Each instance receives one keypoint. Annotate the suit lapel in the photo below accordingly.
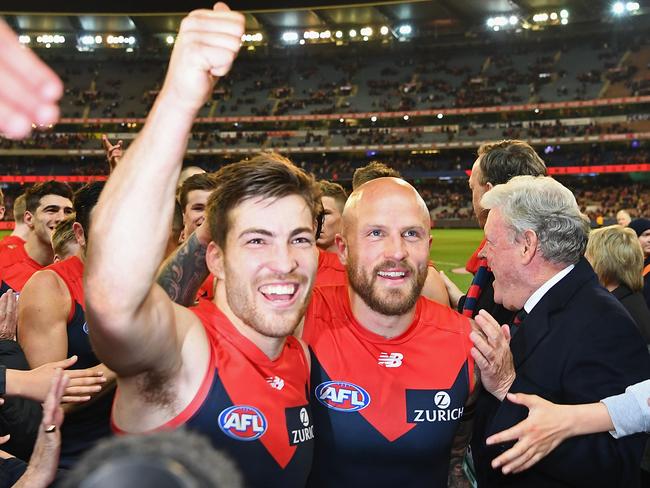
(537, 324)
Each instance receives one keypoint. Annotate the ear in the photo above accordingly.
(28, 218)
(2, 212)
(341, 248)
(79, 234)
(489, 186)
(215, 260)
(529, 248)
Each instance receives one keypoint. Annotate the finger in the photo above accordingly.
(13, 124)
(66, 363)
(41, 80)
(511, 434)
(214, 22)
(530, 463)
(4, 438)
(524, 399)
(82, 390)
(213, 42)
(106, 143)
(488, 325)
(482, 345)
(75, 399)
(220, 6)
(518, 461)
(86, 380)
(480, 360)
(51, 399)
(2, 401)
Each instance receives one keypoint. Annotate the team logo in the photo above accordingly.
(299, 425)
(242, 422)
(275, 382)
(392, 360)
(442, 399)
(84, 327)
(304, 417)
(342, 396)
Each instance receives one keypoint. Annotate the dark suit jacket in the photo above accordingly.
(634, 302)
(577, 345)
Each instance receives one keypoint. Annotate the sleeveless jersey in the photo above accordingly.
(207, 288)
(386, 410)
(89, 422)
(254, 409)
(16, 267)
(330, 270)
(11, 241)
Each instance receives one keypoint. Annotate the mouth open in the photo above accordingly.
(280, 293)
(394, 275)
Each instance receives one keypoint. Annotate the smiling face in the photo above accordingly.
(386, 245)
(194, 211)
(269, 263)
(51, 210)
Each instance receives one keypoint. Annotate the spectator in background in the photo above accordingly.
(642, 229)
(333, 199)
(616, 256)
(371, 171)
(623, 218)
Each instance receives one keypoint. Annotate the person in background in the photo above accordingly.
(642, 229)
(616, 256)
(333, 199)
(623, 218)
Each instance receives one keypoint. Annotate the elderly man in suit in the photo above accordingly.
(572, 342)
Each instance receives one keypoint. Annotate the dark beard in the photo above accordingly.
(364, 287)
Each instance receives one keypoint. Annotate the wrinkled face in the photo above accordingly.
(502, 253)
(332, 223)
(51, 210)
(194, 211)
(644, 239)
(270, 263)
(623, 218)
(388, 253)
(478, 191)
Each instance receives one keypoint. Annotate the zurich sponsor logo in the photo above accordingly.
(442, 399)
(84, 327)
(242, 422)
(342, 396)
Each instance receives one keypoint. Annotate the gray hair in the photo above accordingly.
(546, 207)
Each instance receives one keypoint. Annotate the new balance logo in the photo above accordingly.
(392, 360)
(275, 382)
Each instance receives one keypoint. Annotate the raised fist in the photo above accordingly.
(206, 46)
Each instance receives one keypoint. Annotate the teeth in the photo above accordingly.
(392, 274)
(278, 289)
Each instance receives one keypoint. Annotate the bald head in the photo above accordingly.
(382, 197)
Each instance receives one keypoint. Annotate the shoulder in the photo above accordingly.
(443, 317)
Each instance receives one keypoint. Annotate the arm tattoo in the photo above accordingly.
(182, 273)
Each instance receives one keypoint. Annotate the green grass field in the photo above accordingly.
(451, 248)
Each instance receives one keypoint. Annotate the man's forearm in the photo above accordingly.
(183, 272)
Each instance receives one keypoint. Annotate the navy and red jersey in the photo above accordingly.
(330, 270)
(90, 422)
(11, 241)
(253, 408)
(386, 410)
(16, 267)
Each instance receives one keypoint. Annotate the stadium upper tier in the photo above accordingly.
(396, 77)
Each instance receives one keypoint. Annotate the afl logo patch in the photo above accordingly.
(342, 396)
(84, 327)
(242, 422)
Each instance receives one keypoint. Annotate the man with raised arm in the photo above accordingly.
(233, 373)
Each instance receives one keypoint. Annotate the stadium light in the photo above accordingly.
(542, 17)
(440, 116)
(564, 13)
(632, 6)
(405, 30)
(373, 119)
(325, 34)
(366, 31)
(564, 21)
(513, 20)
(301, 42)
(353, 33)
(338, 34)
(24, 39)
(406, 117)
(384, 30)
(553, 16)
(169, 39)
(290, 36)
(618, 8)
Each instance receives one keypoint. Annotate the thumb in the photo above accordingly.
(66, 363)
(522, 399)
(221, 7)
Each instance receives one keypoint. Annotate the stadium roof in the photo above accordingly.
(164, 16)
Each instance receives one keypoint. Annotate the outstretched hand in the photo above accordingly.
(113, 152)
(544, 429)
(29, 89)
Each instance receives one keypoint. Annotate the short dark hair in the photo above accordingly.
(34, 194)
(176, 458)
(372, 171)
(333, 190)
(85, 199)
(200, 181)
(501, 161)
(19, 208)
(177, 221)
(267, 175)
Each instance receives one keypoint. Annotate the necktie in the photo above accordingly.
(516, 322)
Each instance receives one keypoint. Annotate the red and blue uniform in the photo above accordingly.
(253, 408)
(16, 267)
(386, 410)
(330, 270)
(90, 422)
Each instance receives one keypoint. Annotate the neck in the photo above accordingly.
(332, 248)
(270, 346)
(387, 326)
(43, 255)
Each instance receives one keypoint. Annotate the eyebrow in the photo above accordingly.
(268, 233)
(57, 207)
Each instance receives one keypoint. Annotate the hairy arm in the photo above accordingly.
(132, 321)
(434, 287)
